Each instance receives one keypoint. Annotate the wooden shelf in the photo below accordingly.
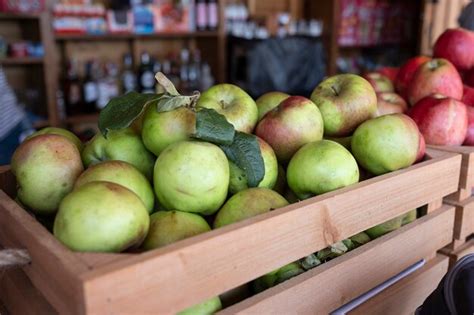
(108, 37)
(21, 61)
(85, 118)
(19, 16)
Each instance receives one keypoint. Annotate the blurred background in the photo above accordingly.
(65, 59)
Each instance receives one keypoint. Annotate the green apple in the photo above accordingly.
(269, 101)
(122, 145)
(162, 129)
(207, 307)
(238, 180)
(59, 131)
(386, 143)
(345, 101)
(232, 102)
(320, 167)
(248, 203)
(121, 173)
(167, 227)
(192, 176)
(295, 122)
(277, 276)
(101, 217)
(409, 217)
(46, 167)
(384, 228)
(360, 239)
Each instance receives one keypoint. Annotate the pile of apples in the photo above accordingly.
(436, 92)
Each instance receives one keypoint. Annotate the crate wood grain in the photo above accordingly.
(456, 254)
(464, 222)
(336, 282)
(466, 178)
(180, 275)
(404, 297)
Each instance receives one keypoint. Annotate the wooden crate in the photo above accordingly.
(357, 271)
(169, 279)
(462, 199)
(458, 253)
(406, 296)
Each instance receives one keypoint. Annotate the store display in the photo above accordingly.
(22, 6)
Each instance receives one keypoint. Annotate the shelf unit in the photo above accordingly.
(21, 61)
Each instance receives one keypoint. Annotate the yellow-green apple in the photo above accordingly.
(238, 180)
(277, 276)
(435, 76)
(386, 143)
(62, 132)
(389, 72)
(468, 96)
(248, 203)
(345, 101)
(409, 217)
(470, 126)
(101, 217)
(192, 176)
(46, 167)
(162, 129)
(167, 227)
(379, 82)
(390, 103)
(295, 122)
(232, 102)
(207, 307)
(457, 46)
(122, 145)
(386, 227)
(320, 167)
(121, 173)
(405, 75)
(442, 120)
(269, 101)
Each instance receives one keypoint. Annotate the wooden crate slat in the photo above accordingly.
(20, 296)
(405, 296)
(464, 222)
(461, 251)
(354, 273)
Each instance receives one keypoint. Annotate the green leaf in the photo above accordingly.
(121, 111)
(213, 127)
(169, 102)
(245, 152)
(166, 84)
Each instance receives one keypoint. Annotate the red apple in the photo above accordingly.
(435, 76)
(469, 77)
(441, 120)
(390, 103)
(379, 82)
(470, 127)
(421, 149)
(293, 123)
(468, 96)
(406, 72)
(457, 46)
(389, 72)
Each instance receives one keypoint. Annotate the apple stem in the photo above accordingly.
(334, 90)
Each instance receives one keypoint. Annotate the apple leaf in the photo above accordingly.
(168, 102)
(244, 151)
(166, 84)
(121, 111)
(213, 127)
